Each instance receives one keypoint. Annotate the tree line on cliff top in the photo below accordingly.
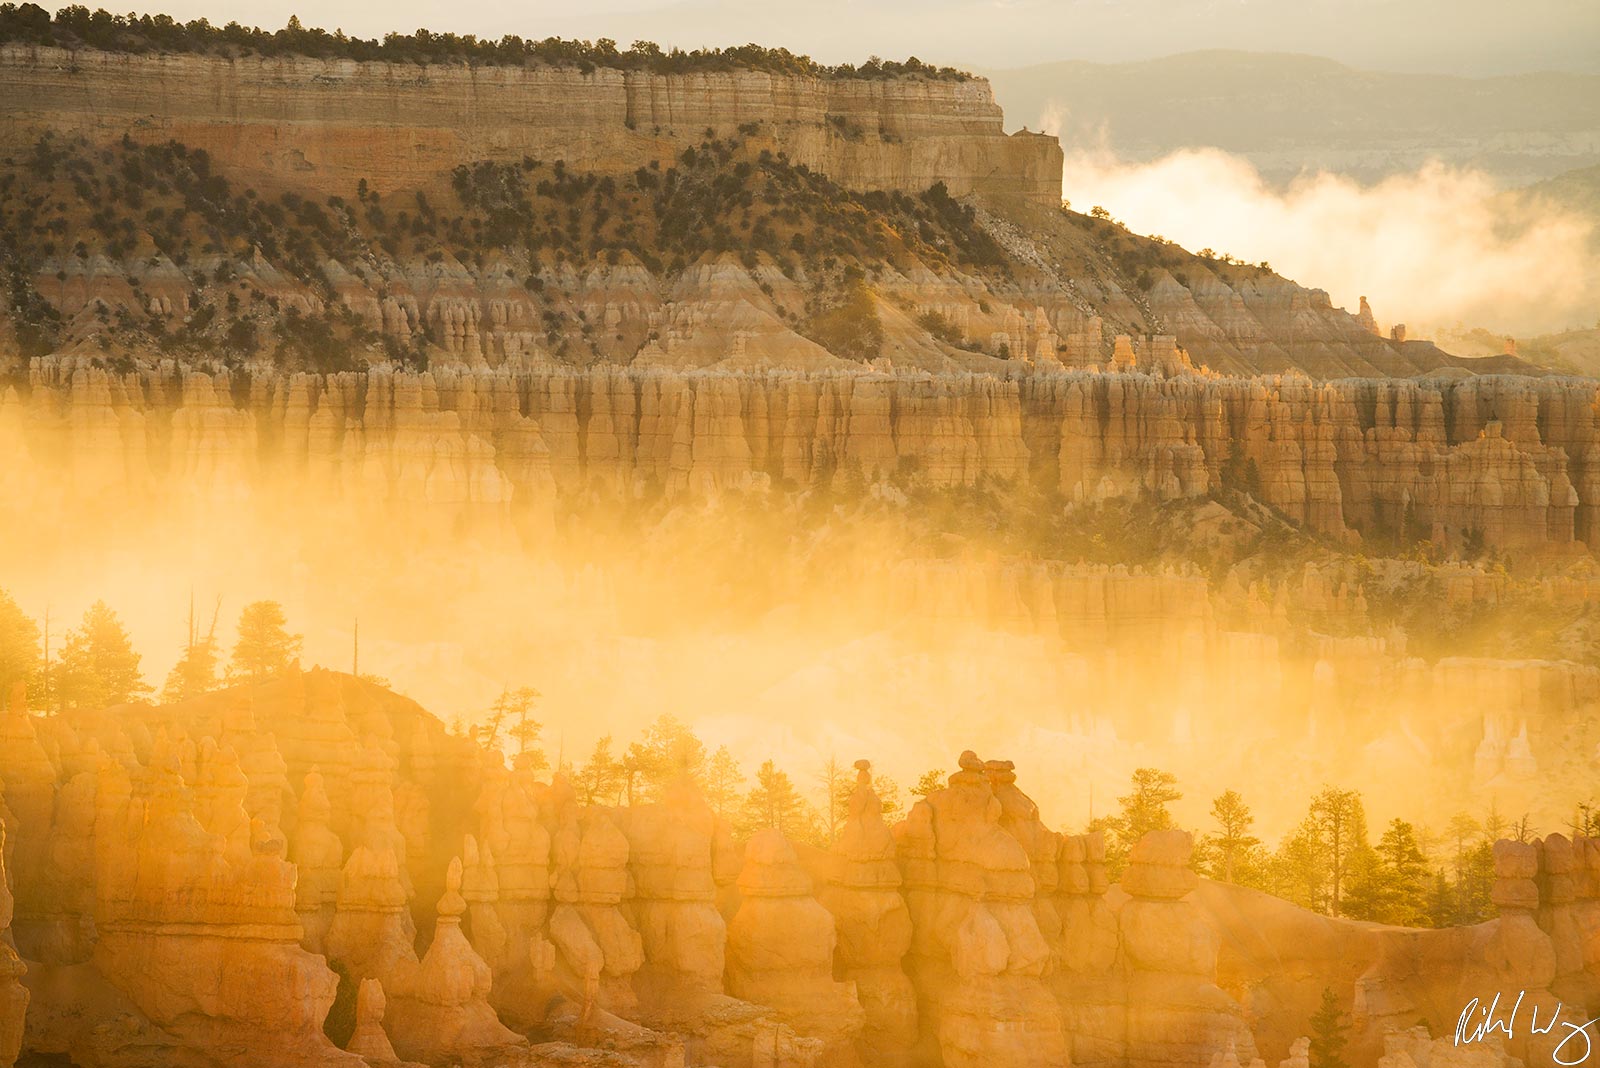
(1328, 862)
(78, 27)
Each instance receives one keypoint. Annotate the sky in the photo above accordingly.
(1438, 36)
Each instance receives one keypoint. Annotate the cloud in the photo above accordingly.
(1430, 248)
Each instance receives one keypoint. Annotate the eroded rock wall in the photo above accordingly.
(330, 123)
(1512, 461)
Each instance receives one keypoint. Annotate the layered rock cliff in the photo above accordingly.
(1502, 461)
(331, 215)
(298, 122)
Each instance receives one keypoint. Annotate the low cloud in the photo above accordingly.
(1432, 248)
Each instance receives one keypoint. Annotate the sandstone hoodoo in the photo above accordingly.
(1146, 973)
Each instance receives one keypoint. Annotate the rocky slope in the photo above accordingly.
(730, 254)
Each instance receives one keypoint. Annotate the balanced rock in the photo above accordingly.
(978, 956)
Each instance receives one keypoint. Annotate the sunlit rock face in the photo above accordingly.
(861, 888)
(495, 919)
(284, 119)
(978, 957)
(1177, 1014)
(1509, 467)
(781, 945)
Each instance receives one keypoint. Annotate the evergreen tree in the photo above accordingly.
(837, 783)
(773, 802)
(1337, 828)
(1298, 871)
(19, 646)
(930, 782)
(724, 783)
(1144, 808)
(599, 780)
(1443, 901)
(265, 647)
(524, 729)
(1233, 843)
(1475, 888)
(194, 674)
(196, 670)
(668, 751)
(1405, 875)
(1367, 892)
(1585, 820)
(1463, 832)
(98, 664)
(1328, 1038)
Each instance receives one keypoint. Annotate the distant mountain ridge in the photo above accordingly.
(1287, 113)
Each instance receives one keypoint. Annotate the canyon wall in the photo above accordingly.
(326, 124)
(1510, 461)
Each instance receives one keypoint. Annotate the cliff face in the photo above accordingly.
(1512, 461)
(325, 124)
(304, 230)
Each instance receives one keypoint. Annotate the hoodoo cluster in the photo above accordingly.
(314, 871)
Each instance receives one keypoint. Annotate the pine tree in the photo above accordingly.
(265, 647)
(724, 783)
(1405, 874)
(1233, 841)
(19, 646)
(668, 751)
(194, 674)
(837, 784)
(1464, 831)
(525, 730)
(1367, 892)
(1475, 889)
(773, 802)
(1298, 871)
(930, 782)
(1328, 1038)
(1337, 827)
(599, 780)
(98, 664)
(196, 670)
(1144, 809)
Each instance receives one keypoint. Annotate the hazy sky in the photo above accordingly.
(1458, 36)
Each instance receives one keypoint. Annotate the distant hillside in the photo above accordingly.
(1286, 113)
(1578, 190)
